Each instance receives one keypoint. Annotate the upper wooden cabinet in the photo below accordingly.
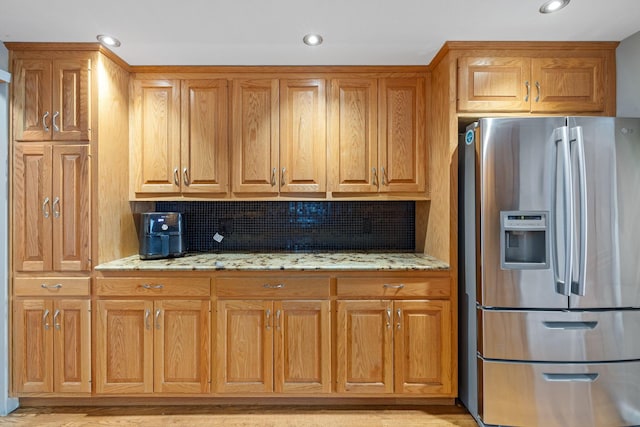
(532, 84)
(377, 135)
(52, 206)
(179, 137)
(51, 98)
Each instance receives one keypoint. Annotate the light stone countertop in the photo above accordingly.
(260, 261)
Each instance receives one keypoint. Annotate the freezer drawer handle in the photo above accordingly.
(570, 325)
(580, 378)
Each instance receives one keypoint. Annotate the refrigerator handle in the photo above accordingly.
(578, 288)
(563, 284)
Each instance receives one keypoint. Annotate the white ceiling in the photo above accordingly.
(269, 32)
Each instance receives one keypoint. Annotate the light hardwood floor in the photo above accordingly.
(241, 416)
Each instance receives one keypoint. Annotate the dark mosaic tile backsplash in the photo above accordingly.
(297, 226)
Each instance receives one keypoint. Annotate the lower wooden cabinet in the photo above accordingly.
(52, 345)
(281, 346)
(146, 346)
(386, 346)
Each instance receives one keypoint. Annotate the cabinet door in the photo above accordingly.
(33, 346)
(71, 208)
(32, 217)
(182, 346)
(303, 147)
(204, 144)
(302, 346)
(494, 84)
(32, 109)
(255, 136)
(155, 153)
(71, 88)
(402, 135)
(124, 347)
(422, 344)
(244, 346)
(353, 137)
(364, 347)
(72, 346)
(571, 85)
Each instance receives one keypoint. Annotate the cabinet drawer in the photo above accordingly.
(273, 287)
(434, 287)
(51, 286)
(154, 286)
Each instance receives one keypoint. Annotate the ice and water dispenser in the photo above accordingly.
(524, 240)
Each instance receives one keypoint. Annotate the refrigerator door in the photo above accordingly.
(520, 169)
(612, 210)
(560, 395)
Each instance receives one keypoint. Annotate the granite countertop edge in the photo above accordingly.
(331, 261)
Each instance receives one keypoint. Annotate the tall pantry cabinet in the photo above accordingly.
(65, 138)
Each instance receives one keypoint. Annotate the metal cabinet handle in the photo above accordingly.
(148, 286)
(385, 179)
(399, 316)
(268, 315)
(157, 317)
(50, 287)
(45, 322)
(55, 320)
(45, 207)
(55, 126)
(276, 286)
(278, 313)
(176, 177)
(44, 122)
(282, 181)
(273, 177)
(147, 313)
(374, 173)
(388, 286)
(526, 97)
(56, 207)
(388, 318)
(185, 176)
(538, 95)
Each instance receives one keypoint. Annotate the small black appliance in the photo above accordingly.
(161, 235)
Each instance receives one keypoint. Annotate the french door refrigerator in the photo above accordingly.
(550, 271)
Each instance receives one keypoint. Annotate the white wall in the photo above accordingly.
(628, 76)
(6, 405)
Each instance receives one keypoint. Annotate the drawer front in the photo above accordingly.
(51, 286)
(560, 395)
(154, 286)
(273, 287)
(549, 336)
(390, 287)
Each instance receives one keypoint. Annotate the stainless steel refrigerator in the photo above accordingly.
(550, 271)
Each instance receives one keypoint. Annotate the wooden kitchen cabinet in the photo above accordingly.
(532, 84)
(273, 335)
(377, 135)
(51, 345)
(180, 143)
(51, 98)
(52, 205)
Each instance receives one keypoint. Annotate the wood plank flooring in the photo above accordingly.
(241, 416)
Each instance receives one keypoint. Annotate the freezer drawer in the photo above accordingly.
(560, 395)
(548, 336)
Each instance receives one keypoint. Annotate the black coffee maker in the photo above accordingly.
(161, 235)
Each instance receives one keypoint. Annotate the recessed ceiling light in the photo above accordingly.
(108, 40)
(312, 39)
(553, 6)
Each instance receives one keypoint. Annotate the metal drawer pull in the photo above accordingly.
(570, 325)
(55, 320)
(282, 181)
(538, 96)
(148, 286)
(185, 177)
(157, 319)
(278, 313)
(176, 177)
(268, 323)
(44, 319)
(581, 378)
(55, 126)
(375, 176)
(44, 122)
(45, 207)
(273, 177)
(147, 313)
(385, 179)
(388, 286)
(388, 318)
(399, 315)
(56, 207)
(56, 286)
(276, 286)
(526, 97)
